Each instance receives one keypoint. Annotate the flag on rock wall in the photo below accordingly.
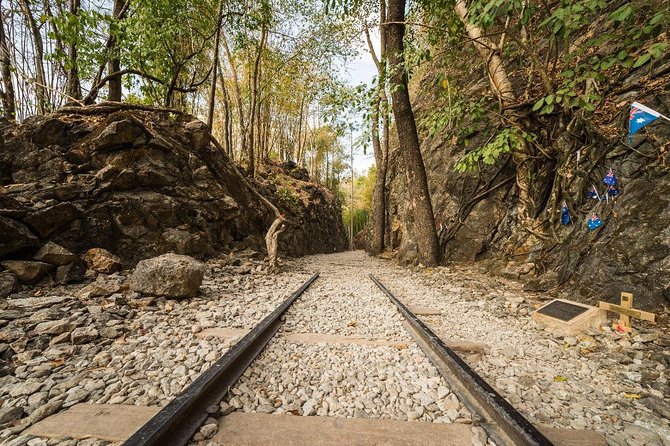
(565, 214)
(610, 178)
(612, 191)
(593, 193)
(641, 115)
(594, 222)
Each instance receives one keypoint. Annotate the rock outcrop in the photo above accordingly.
(138, 183)
(478, 211)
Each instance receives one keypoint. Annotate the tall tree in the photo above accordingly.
(73, 88)
(38, 45)
(114, 66)
(238, 95)
(8, 97)
(215, 67)
(380, 106)
(408, 138)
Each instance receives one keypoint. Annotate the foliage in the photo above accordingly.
(506, 141)
(288, 196)
(463, 114)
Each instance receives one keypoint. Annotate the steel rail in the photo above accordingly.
(177, 422)
(516, 429)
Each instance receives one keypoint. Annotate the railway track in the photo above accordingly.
(177, 422)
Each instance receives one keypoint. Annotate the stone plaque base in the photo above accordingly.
(566, 318)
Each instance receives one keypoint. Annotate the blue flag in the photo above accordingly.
(565, 214)
(610, 178)
(594, 222)
(640, 115)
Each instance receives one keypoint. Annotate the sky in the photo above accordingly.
(356, 71)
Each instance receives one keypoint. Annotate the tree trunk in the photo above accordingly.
(426, 235)
(500, 82)
(299, 140)
(238, 96)
(114, 66)
(8, 95)
(73, 88)
(215, 67)
(40, 79)
(380, 148)
(502, 87)
(272, 239)
(254, 103)
(227, 122)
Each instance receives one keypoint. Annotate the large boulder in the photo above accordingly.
(140, 183)
(169, 275)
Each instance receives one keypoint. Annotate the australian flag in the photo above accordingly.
(640, 115)
(565, 214)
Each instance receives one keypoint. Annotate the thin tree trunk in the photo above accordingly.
(227, 124)
(215, 67)
(238, 96)
(424, 222)
(299, 140)
(254, 103)
(8, 95)
(303, 143)
(114, 66)
(73, 87)
(40, 79)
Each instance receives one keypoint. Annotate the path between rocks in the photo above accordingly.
(587, 382)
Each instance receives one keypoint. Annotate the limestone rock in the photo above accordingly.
(82, 335)
(120, 134)
(102, 261)
(53, 327)
(15, 236)
(146, 183)
(55, 254)
(73, 272)
(103, 286)
(48, 220)
(543, 282)
(8, 283)
(26, 271)
(170, 275)
(8, 414)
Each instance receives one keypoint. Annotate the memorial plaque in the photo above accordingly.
(567, 318)
(560, 309)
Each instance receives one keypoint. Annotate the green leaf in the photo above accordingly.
(657, 18)
(643, 59)
(538, 104)
(547, 109)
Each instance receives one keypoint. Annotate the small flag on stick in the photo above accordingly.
(641, 115)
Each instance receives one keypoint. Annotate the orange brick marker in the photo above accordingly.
(626, 311)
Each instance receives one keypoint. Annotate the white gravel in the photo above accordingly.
(345, 380)
(126, 352)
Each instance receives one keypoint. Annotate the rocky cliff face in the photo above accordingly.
(477, 211)
(139, 183)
